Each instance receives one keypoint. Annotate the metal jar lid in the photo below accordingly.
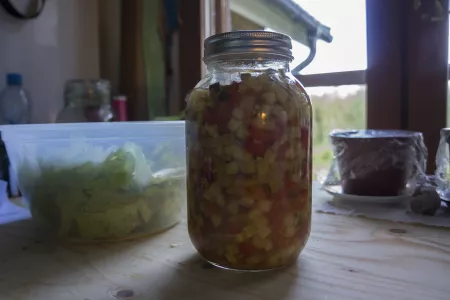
(248, 42)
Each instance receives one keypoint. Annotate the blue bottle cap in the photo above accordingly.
(13, 79)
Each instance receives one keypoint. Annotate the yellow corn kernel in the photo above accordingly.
(235, 190)
(281, 140)
(275, 184)
(233, 208)
(241, 237)
(269, 98)
(249, 231)
(268, 245)
(255, 214)
(289, 251)
(280, 113)
(231, 249)
(220, 200)
(247, 182)
(262, 170)
(212, 192)
(234, 124)
(248, 102)
(242, 88)
(241, 133)
(290, 153)
(248, 166)
(232, 168)
(274, 261)
(236, 152)
(258, 242)
(238, 113)
(253, 260)
(257, 217)
(212, 130)
(263, 231)
(281, 94)
(254, 84)
(289, 232)
(264, 79)
(296, 178)
(216, 220)
(290, 220)
(231, 258)
(246, 201)
(270, 156)
(264, 205)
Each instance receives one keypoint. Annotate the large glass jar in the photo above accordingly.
(248, 137)
(86, 101)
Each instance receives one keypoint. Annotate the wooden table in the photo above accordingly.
(346, 258)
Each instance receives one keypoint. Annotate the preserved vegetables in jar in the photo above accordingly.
(248, 139)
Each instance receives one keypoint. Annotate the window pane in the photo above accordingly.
(342, 107)
(347, 51)
(346, 18)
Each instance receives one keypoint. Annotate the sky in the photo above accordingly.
(347, 51)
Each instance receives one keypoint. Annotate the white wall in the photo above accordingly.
(110, 41)
(61, 44)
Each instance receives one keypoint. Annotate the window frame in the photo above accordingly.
(400, 64)
(400, 67)
(333, 78)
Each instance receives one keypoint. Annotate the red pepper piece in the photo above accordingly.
(281, 242)
(255, 147)
(234, 226)
(278, 212)
(305, 138)
(298, 203)
(247, 248)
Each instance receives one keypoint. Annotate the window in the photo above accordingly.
(335, 78)
(334, 107)
(395, 51)
(347, 51)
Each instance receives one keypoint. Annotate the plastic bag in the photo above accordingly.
(442, 173)
(377, 162)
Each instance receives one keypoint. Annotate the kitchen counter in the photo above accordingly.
(345, 258)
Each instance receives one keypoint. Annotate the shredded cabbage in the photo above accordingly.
(116, 198)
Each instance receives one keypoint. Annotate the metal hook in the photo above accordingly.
(312, 44)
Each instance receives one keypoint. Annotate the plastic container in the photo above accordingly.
(100, 181)
(248, 137)
(378, 162)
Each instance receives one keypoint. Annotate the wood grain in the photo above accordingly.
(345, 258)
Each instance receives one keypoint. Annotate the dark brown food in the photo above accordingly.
(375, 162)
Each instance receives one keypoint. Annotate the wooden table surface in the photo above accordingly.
(345, 258)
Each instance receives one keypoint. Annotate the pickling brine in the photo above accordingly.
(248, 125)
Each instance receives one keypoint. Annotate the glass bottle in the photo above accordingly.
(248, 141)
(15, 108)
(86, 101)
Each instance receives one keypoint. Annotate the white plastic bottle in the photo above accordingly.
(15, 108)
(15, 102)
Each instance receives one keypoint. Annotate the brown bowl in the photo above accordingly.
(375, 162)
